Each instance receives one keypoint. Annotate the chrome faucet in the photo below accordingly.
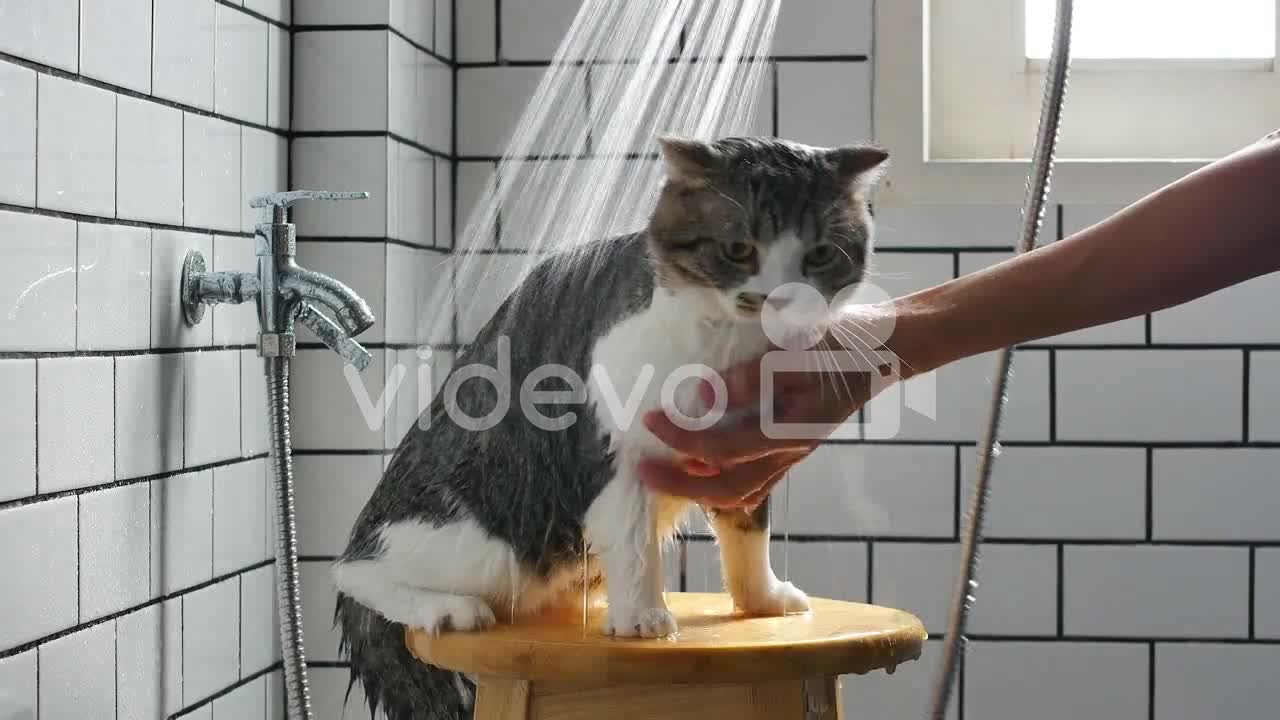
(285, 292)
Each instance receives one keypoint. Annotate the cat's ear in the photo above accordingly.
(687, 159)
(858, 166)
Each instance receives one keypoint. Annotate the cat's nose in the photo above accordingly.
(779, 300)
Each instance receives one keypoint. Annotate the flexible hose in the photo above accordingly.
(288, 593)
(1032, 216)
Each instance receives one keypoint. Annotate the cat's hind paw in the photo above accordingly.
(779, 598)
(438, 612)
(645, 623)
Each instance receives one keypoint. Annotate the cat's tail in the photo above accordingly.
(392, 678)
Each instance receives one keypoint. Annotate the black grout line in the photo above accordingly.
(497, 30)
(1053, 395)
(371, 134)
(1151, 680)
(959, 496)
(1147, 328)
(375, 28)
(1061, 570)
(43, 69)
(774, 98)
(1253, 573)
(871, 575)
(79, 564)
(1150, 492)
(273, 667)
(35, 413)
(1244, 397)
(77, 492)
(99, 220)
(253, 14)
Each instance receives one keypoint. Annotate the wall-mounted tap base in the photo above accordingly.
(193, 266)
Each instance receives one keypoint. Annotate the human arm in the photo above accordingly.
(1212, 229)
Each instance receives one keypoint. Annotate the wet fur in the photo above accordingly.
(465, 526)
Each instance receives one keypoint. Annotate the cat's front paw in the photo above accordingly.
(645, 623)
(437, 613)
(779, 598)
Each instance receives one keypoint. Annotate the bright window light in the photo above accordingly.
(1158, 29)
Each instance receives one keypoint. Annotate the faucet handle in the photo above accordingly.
(280, 202)
(333, 336)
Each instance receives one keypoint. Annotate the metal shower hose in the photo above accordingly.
(1032, 215)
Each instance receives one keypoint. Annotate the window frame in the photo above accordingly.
(919, 174)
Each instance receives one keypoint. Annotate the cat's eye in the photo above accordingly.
(739, 251)
(821, 256)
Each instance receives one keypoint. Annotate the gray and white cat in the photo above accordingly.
(515, 518)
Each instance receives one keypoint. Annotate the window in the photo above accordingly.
(1156, 88)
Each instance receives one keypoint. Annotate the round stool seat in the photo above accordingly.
(715, 644)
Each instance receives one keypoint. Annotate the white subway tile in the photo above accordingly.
(1266, 592)
(210, 648)
(408, 286)
(403, 102)
(275, 9)
(342, 12)
(259, 637)
(444, 204)
(329, 699)
(239, 516)
(253, 404)
(240, 66)
(870, 490)
(434, 125)
(264, 169)
(279, 76)
(1230, 315)
(43, 564)
(275, 695)
(38, 279)
(114, 295)
(1078, 217)
(411, 376)
(340, 80)
(234, 324)
(1264, 396)
(1209, 680)
(330, 163)
(414, 18)
(78, 675)
(1063, 492)
(45, 31)
(149, 167)
(204, 712)
(947, 226)
(476, 190)
(1060, 680)
(823, 27)
(891, 275)
(824, 103)
(951, 403)
(1129, 591)
(318, 598)
(534, 31)
(169, 326)
(1130, 331)
(329, 411)
(112, 46)
(171, 654)
(17, 134)
(247, 702)
(148, 414)
(183, 52)
(414, 179)
(181, 532)
(835, 570)
(331, 492)
(115, 527)
(906, 693)
(211, 173)
(1018, 595)
(76, 144)
(444, 28)
(18, 428)
(491, 101)
(211, 425)
(1149, 395)
(77, 423)
(18, 689)
(141, 672)
(360, 266)
(1208, 494)
(476, 27)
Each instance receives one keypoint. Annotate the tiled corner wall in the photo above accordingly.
(133, 498)
(1130, 568)
(373, 111)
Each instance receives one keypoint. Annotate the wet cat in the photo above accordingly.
(467, 522)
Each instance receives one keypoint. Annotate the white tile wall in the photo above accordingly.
(169, 327)
(1213, 680)
(79, 674)
(39, 282)
(240, 65)
(259, 638)
(947, 226)
(340, 12)
(1264, 396)
(182, 522)
(77, 422)
(492, 99)
(44, 31)
(342, 80)
(148, 414)
(18, 428)
(17, 135)
(210, 646)
(1266, 593)
(331, 492)
(183, 51)
(541, 28)
(211, 409)
(18, 685)
(1215, 494)
(115, 550)
(1060, 680)
(113, 281)
(1146, 591)
(44, 565)
(823, 27)
(140, 670)
(102, 54)
(341, 163)
(211, 172)
(240, 516)
(149, 162)
(1149, 395)
(825, 102)
(76, 146)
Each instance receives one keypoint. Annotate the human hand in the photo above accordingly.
(736, 462)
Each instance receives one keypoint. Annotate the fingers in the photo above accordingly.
(719, 446)
(742, 486)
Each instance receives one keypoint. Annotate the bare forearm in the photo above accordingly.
(1216, 227)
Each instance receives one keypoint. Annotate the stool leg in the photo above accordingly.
(502, 699)
(822, 699)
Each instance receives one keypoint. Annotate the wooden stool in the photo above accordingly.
(720, 665)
